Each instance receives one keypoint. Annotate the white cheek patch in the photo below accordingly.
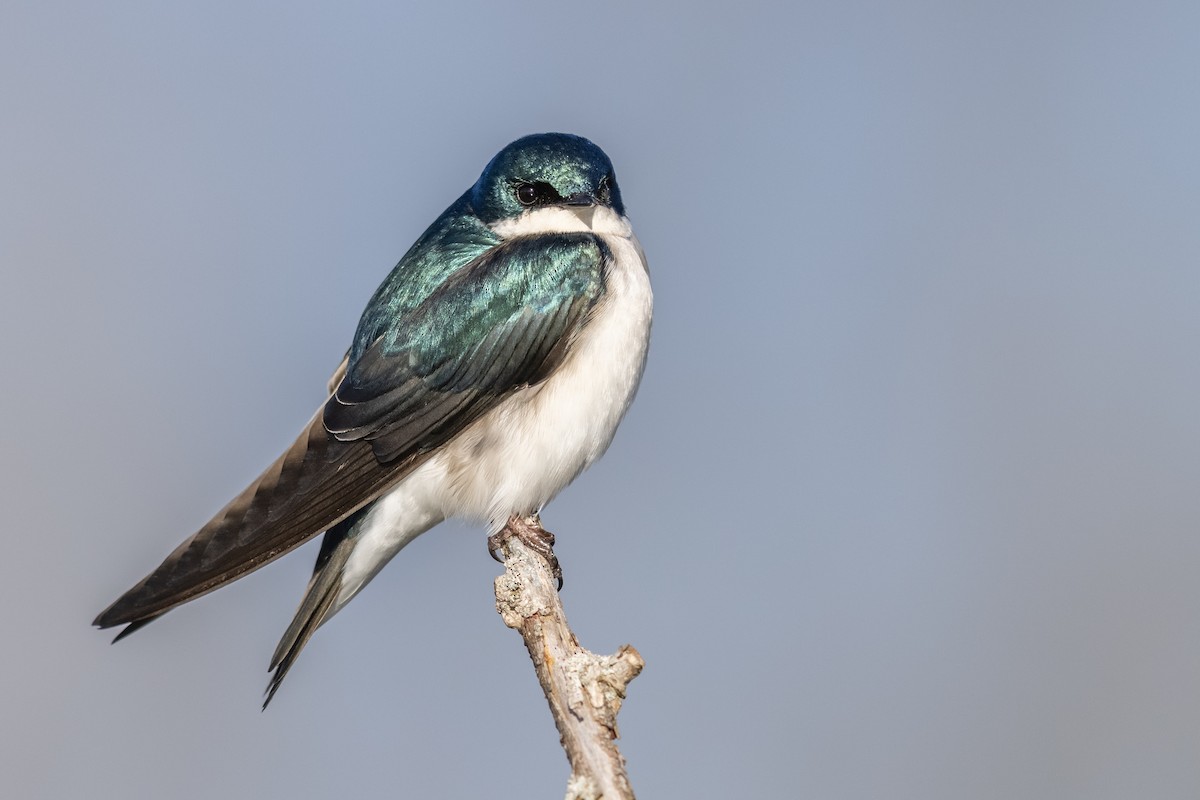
(558, 219)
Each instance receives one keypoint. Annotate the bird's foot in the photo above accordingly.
(530, 531)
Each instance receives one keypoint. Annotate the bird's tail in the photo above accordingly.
(318, 603)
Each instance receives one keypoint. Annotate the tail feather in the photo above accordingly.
(319, 597)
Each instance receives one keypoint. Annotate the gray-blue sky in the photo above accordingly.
(906, 506)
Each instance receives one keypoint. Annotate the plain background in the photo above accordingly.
(906, 507)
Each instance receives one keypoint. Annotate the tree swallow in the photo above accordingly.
(490, 368)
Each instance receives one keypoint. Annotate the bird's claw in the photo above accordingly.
(530, 531)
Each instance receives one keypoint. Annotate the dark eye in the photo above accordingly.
(527, 194)
(536, 193)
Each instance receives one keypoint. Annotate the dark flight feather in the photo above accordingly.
(501, 322)
(317, 483)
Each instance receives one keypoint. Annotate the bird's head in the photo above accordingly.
(546, 170)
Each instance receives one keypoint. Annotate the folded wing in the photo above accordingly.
(501, 322)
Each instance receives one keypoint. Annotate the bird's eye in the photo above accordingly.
(527, 194)
(537, 193)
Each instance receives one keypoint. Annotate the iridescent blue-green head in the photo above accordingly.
(545, 169)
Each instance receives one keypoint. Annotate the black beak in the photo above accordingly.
(579, 199)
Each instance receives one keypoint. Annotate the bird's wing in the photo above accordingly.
(499, 323)
(502, 322)
(315, 484)
(331, 384)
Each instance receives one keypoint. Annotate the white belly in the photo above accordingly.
(522, 453)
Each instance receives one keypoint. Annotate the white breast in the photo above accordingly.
(520, 455)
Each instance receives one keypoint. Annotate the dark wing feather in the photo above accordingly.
(500, 322)
(318, 482)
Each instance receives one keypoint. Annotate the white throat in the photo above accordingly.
(600, 220)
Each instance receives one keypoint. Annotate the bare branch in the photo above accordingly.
(584, 690)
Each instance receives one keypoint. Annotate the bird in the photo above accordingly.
(489, 369)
